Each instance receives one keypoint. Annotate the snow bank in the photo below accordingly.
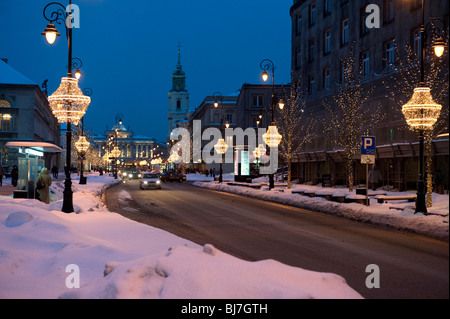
(398, 215)
(120, 258)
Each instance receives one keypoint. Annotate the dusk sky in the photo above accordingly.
(129, 51)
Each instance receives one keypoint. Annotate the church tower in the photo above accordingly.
(178, 97)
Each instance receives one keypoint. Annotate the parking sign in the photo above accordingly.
(368, 149)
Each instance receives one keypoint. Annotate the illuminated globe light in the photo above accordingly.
(174, 158)
(51, 33)
(439, 47)
(68, 103)
(106, 157)
(259, 151)
(421, 112)
(221, 147)
(115, 152)
(82, 144)
(272, 138)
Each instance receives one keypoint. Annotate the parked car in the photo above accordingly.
(150, 180)
(131, 174)
(172, 176)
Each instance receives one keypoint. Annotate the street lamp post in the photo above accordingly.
(82, 145)
(119, 117)
(421, 112)
(221, 146)
(68, 103)
(272, 137)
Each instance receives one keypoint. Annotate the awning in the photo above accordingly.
(37, 146)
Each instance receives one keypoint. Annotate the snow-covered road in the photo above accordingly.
(252, 229)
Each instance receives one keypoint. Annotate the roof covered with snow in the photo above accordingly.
(9, 75)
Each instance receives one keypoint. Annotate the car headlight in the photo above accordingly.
(140, 175)
(145, 182)
(131, 175)
(124, 174)
(158, 182)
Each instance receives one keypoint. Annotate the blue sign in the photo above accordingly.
(368, 145)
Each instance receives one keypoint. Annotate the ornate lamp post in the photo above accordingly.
(68, 103)
(221, 147)
(82, 145)
(421, 112)
(272, 138)
(117, 152)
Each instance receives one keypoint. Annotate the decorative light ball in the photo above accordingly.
(259, 151)
(82, 144)
(174, 158)
(272, 138)
(68, 103)
(115, 152)
(221, 147)
(421, 112)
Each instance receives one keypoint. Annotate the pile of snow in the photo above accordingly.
(43, 250)
(396, 214)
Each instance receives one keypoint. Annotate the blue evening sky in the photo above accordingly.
(129, 51)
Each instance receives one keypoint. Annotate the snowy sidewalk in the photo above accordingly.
(396, 214)
(94, 253)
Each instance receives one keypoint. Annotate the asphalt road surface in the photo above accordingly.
(410, 266)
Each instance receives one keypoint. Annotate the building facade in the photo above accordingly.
(25, 115)
(324, 34)
(134, 149)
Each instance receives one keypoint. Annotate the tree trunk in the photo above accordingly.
(289, 173)
(350, 174)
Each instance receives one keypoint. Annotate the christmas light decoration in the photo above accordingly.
(272, 138)
(115, 152)
(259, 151)
(221, 147)
(82, 145)
(421, 112)
(68, 103)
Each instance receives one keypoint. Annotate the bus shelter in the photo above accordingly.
(30, 163)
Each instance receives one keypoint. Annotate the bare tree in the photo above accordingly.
(294, 125)
(349, 117)
(405, 77)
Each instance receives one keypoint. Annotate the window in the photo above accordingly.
(258, 100)
(178, 105)
(389, 54)
(229, 118)
(4, 103)
(345, 36)
(327, 79)
(326, 7)
(365, 63)
(312, 50)
(311, 84)
(299, 24)
(416, 40)
(312, 14)
(6, 122)
(298, 58)
(388, 11)
(327, 42)
(362, 22)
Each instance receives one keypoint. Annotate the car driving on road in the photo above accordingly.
(131, 174)
(150, 180)
(171, 176)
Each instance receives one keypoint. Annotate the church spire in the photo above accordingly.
(179, 54)
(178, 76)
